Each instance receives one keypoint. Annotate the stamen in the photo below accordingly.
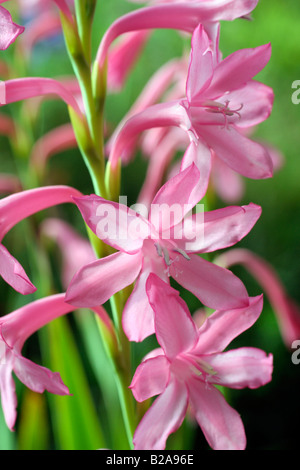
(158, 249)
(216, 107)
(183, 253)
(166, 256)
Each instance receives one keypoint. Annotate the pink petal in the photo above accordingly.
(215, 287)
(21, 205)
(163, 418)
(115, 224)
(95, 283)
(241, 368)
(151, 94)
(45, 25)
(159, 162)
(227, 183)
(19, 325)
(56, 141)
(201, 65)
(199, 154)
(9, 31)
(159, 115)
(24, 88)
(221, 424)
(64, 8)
(257, 101)
(138, 317)
(150, 378)
(175, 330)
(38, 378)
(287, 312)
(69, 242)
(240, 153)
(13, 273)
(229, 75)
(175, 199)
(220, 229)
(182, 16)
(122, 58)
(223, 326)
(8, 395)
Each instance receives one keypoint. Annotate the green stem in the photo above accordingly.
(85, 10)
(91, 142)
(92, 147)
(123, 369)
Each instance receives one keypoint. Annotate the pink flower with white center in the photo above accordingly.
(17, 207)
(188, 365)
(182, 15)
(222, 101)
(166, 243)
(15, 329)
(9, 31)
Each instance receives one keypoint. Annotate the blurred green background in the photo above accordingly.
(271, 414)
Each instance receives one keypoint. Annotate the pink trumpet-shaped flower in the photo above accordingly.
(286, 310)
(191, 361)
(165, 243)
(9, 31)
(31, 87)
(221, 102)
(15, 329)
(17, 207)
(184, 16)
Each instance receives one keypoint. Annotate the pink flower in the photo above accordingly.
(164, 243)
(189, 364)
(222, 100)
(9, 31)
(17, 207)
(15, 329)
(286, 310)
(183, 15)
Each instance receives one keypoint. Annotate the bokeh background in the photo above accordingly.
(271, 414)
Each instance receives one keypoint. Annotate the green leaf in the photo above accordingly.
(7, 438)
(33, 429)
(75, 418)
